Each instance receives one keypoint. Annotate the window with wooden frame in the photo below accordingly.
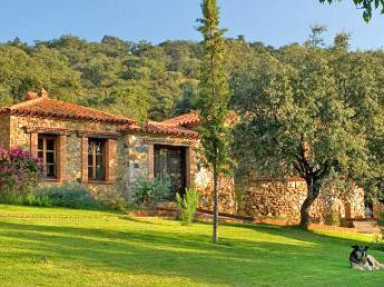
(47, 152)
(96, 159)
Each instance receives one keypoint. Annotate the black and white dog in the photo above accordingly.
(359, 259)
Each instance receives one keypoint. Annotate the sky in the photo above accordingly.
(277, 22)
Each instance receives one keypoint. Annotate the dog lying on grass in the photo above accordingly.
(360, 260)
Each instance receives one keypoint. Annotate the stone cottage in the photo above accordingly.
(108, 153)
(104, 151)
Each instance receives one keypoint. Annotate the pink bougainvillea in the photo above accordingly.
(17, 169)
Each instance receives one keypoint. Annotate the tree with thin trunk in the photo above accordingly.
(213, 100)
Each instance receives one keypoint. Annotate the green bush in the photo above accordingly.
(118, 204)
(150, 191)
(30, 199)
(71, 195)
(333, 219)
(187, 205)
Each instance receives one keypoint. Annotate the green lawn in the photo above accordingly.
(59, 247)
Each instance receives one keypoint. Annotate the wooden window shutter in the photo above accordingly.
(110, 160)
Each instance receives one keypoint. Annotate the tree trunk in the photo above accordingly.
(215, 236)
(313, 187)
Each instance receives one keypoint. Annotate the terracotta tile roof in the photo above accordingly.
(185, 119)
(160, 128)
(45, 107)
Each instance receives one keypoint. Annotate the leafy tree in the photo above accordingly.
(312, 112)
(213, 100)
(367, 5)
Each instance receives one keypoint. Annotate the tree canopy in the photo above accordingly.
(368, 6)
(137, 80)
(312, 112)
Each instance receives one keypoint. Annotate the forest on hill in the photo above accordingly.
(136, 80)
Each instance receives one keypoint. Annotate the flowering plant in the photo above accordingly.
(18, 169)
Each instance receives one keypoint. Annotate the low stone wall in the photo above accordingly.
(227, 194)
(378, 209)
(283, 199)
(274, 199)
(269, 198)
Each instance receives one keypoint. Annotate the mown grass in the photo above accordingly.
(59, 247)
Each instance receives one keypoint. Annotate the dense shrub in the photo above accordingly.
(149, 192)
(18, 172)
(71, 195)
(333, 218)
(187, 205)
(25, 199)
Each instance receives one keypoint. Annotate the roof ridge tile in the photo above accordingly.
(23, 104)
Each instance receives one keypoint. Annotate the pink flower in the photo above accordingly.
(17, 166)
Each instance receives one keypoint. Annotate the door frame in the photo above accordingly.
(184, 167)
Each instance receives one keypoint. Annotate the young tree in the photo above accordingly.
(315, 38)
(313, 112)
(213, 100)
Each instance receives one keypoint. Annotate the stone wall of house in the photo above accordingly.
(138, 160)
(20, 137)
(140, 157)
(4, 132)
(73, 152)
(134, 155)
(73, 158)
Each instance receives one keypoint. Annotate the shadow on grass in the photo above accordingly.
(241, 262)
(298, 233)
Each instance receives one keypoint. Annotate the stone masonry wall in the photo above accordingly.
(268, 198)
(73, 151)
(133, 155)
(21, 138)
(140, 157)
(227, 195)
(73, 157)
(4, 132)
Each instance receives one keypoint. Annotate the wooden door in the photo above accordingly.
(170, 162)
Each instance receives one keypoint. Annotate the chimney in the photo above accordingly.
(43, 93)
(31, 96)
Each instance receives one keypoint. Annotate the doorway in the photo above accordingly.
(171, 162)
